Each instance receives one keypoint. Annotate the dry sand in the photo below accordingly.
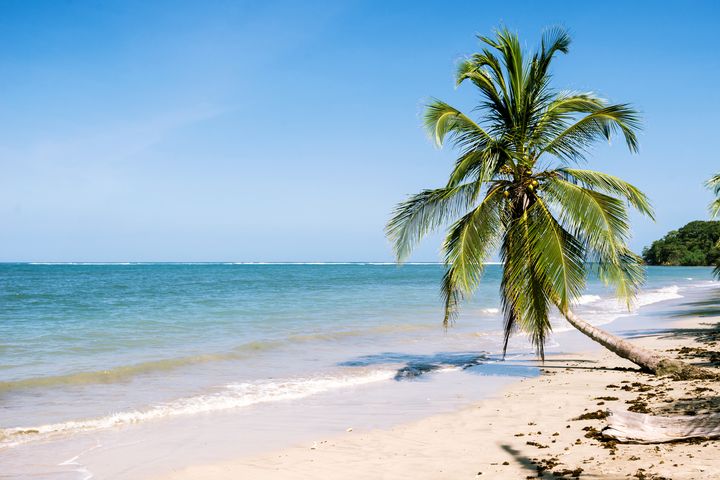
(525, 431)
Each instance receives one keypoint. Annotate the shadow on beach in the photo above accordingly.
(539, 468)
(415, 366)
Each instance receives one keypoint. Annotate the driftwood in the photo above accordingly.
(642, 428)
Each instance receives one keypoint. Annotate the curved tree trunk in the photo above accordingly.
(647, 360)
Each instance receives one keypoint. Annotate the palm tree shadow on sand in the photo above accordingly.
(537, 469)
(417, 366)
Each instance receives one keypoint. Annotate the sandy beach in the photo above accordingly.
(528, 430)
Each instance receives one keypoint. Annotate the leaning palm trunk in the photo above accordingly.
(649, 361)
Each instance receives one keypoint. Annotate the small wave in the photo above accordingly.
(127, 372)
(490, 311)
(658, 295)
(297, 263)
(116, 374)
(609, 310)
(587, 299)
(82, 264)
(232, 396)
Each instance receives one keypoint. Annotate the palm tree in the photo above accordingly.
(714, 185)
(514, 187)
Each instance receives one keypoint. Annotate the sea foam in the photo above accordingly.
(234, 395)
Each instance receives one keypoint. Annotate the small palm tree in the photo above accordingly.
(714, 185)
(513, 189)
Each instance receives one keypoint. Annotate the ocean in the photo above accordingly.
(90, 350)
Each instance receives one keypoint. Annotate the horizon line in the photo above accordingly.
(218, 262)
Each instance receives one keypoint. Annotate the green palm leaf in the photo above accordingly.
(468, 243)
(613, 186)
(573, 141)
(442, 120)
(426, 211)
(714, 185)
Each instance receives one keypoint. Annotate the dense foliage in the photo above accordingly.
(694, 244)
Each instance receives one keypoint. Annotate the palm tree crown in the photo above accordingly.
(513, 188)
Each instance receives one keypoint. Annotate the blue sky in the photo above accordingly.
(287, 131)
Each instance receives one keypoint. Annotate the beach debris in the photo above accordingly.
(633, 427)
(349, 429)
(566, 472)
(711, 356)
(536, 444)
(641, 474)
(638, 405)
(596, 415)
(593, 433)
(545, 464)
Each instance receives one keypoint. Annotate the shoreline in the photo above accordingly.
(509, 433)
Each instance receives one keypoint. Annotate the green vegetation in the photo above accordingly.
(694, 244)
(513, 188)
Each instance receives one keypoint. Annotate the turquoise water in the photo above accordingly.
(85, 347)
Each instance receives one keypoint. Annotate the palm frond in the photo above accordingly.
(480, 165)
(558, 256)
(571, 144)
(554, 118)
(467, 245)
(443, 120)
(487, 60)
(555, 39)
(525, 302)
(611, 185)
(625, 273)
(485, 79)
(714, 185)
(601, 223)
(602, 220)
(425, 212)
